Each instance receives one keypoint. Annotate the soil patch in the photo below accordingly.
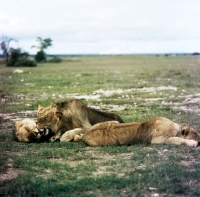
(10, 173)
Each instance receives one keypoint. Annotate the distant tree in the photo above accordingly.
(42, 45)
(4, 46)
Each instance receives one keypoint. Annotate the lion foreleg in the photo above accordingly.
(55, 137)
(69, 135)
(179, 141)
(174, 140)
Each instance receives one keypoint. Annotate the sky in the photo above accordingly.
(103, 26)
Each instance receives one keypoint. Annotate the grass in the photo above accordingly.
(74, 169)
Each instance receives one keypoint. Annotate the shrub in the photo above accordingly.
(55, 60)
(26, 63)
(19, 59)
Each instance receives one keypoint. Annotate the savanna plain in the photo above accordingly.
(135, 87)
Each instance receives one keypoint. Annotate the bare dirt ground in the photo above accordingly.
(10, 172)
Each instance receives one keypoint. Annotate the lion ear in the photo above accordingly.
(35, 120)
(184, 131)
(18, 124)
(53, 105)
(28, 129)
(40, 107)
(59, 114)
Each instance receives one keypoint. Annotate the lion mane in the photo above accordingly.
(71, 117)
(159, 130)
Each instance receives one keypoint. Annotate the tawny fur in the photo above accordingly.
(70, 118)
(156, 131)
(26, 131)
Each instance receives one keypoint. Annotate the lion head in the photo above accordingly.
(26, 131)
(48, 118)
(189, 133)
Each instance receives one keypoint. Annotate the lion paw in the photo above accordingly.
(78, 138)
(192, 143)
(54, 139)
(67, 137)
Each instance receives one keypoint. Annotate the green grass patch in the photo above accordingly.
(74, 169)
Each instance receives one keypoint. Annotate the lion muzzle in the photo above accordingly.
(44, 131)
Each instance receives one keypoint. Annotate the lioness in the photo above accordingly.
(26, 131)
(71, 116)
(156, 131)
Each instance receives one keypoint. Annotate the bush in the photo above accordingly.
(40, 56)
(26, 63)
(55, 60)
(19, 59)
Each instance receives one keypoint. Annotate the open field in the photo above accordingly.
(137, 88)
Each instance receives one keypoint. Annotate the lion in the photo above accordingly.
(26, 131)
(159, 130)
(71, 117)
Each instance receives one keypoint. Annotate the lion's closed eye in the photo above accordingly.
(47, 117)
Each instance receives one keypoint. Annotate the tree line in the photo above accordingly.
(16, 57)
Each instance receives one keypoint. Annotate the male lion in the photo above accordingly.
(26, 131)
(156, 131)
(71, 116)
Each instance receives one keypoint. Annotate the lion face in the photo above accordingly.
(48, 118)
(189, 133)
(26, 130)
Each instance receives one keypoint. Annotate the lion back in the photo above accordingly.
(97, 116)
(94, 116)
